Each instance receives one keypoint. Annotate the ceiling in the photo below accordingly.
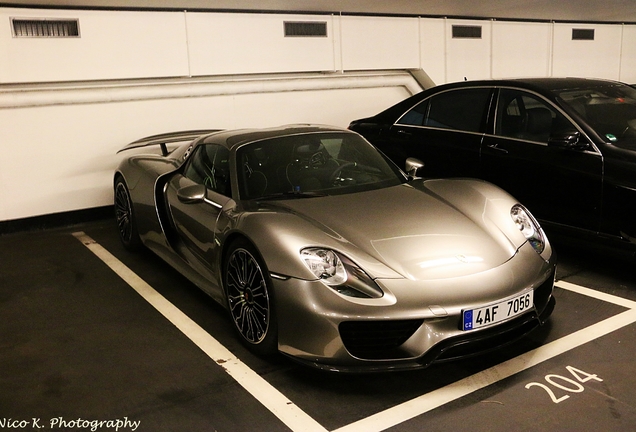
(614, 11)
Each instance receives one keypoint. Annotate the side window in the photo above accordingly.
(209, 165)
(527, 117)
(462, 109)
(415, 117)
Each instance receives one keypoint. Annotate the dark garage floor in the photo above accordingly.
(81, 350)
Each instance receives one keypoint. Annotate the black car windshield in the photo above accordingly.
(609, 109)
(312, 165)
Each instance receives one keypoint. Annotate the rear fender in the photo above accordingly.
(145, 176)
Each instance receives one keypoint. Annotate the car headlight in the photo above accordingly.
(529, 227)
(340, 273)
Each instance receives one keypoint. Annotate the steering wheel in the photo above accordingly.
(335, 174)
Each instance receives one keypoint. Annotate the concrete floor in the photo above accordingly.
(81, 350)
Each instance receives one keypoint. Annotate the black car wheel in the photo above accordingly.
(125, 217)
(249, 298)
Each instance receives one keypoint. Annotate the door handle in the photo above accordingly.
(496, 147)
(404, 132)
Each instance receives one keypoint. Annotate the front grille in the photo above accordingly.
(484, 341)
(377, 339)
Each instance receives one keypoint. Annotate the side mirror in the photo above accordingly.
(192, 194)
(413, 166)
(567, 141)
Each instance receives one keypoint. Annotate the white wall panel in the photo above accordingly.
(598, 58)
(521, 49)
(433, 48)
(112, 45)
(225, 43)
(379, 43)
(58, 158)
(468, 58)
(236, 70)
(628, 55)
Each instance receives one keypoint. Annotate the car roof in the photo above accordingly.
(548, 87)
(541, 85)
(235, 138)
(549, 84)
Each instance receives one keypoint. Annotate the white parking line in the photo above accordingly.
(422, 404)
(265, 393)
(609, 298)
(297, 420)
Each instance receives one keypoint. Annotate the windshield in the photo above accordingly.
(310, 165)
(609, 109)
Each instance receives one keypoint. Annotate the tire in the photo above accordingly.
(125, 217)
(249, 298)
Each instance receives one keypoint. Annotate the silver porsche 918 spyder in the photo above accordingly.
(322, 249)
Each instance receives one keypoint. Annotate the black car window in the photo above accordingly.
(312, 164)
(609, 108)
(527, 117)
(209, 165)
(415, 116)
(462, 109)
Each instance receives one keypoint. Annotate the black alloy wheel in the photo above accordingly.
(249, 298)
(125, 217)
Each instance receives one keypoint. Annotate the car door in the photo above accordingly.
(196, 198)
(444, 131)
(532, 155)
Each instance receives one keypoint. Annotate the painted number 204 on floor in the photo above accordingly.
(497, 312)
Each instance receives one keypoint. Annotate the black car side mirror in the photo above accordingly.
(567, 141)
(413, 166)
(192, 194)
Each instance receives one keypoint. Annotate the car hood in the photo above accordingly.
(417, 231)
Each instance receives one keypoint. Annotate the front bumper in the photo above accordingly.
(407, 329)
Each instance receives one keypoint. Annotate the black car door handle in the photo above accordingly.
(496, 147)
(404, 132)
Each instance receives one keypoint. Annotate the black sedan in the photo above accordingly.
(565, 147)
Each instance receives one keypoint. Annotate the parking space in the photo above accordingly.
(151, 351)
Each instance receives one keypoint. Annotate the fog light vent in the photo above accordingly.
(377, 339)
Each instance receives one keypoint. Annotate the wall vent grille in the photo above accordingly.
(466, 32)
(305, 29)
(45, 28)
(582, 34)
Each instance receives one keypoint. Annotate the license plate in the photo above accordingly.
(497, 312)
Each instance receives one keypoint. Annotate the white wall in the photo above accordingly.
(131, 45)
(67, 105)
(227, 43)
(60, 158)
(628, 55)
(468, 58)
(600, 57)
(379, 43)
(113, 45)
(433, 48)
(513, 54)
